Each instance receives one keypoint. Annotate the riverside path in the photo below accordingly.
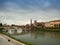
(5, 40)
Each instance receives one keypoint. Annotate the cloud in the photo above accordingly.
(21, 13)
(30, 4)
(47, 4)
(23, 16)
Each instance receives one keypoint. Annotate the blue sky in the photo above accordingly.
(21, 11)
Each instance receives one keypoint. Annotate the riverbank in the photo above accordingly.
(12, 41)
(48, 29)
(25, 43)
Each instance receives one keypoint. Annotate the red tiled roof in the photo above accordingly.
(55, 21)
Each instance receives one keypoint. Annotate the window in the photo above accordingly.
(59, 25)
(55, 25)
(51, 24)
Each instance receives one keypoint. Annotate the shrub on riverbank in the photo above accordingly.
(48, 29)
(1, 30)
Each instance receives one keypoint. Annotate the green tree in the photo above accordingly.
(0, 24)
(1, 28)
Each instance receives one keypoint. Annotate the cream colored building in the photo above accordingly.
(55, 23)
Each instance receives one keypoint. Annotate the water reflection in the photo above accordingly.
(37, 34)
(37, 37)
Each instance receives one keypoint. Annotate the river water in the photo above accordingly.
(39, 37)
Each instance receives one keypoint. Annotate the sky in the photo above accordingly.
(21, 11)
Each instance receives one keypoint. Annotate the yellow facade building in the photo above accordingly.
(55, 23)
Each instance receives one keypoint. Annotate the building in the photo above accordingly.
(35, 23)
(38, 24)
(55, 23)
(31, 22)
(5, 27)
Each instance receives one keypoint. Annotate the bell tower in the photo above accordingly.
(31, 22)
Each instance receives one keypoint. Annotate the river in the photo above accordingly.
(39, 37)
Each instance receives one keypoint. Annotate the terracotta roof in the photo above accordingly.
(55, 21)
